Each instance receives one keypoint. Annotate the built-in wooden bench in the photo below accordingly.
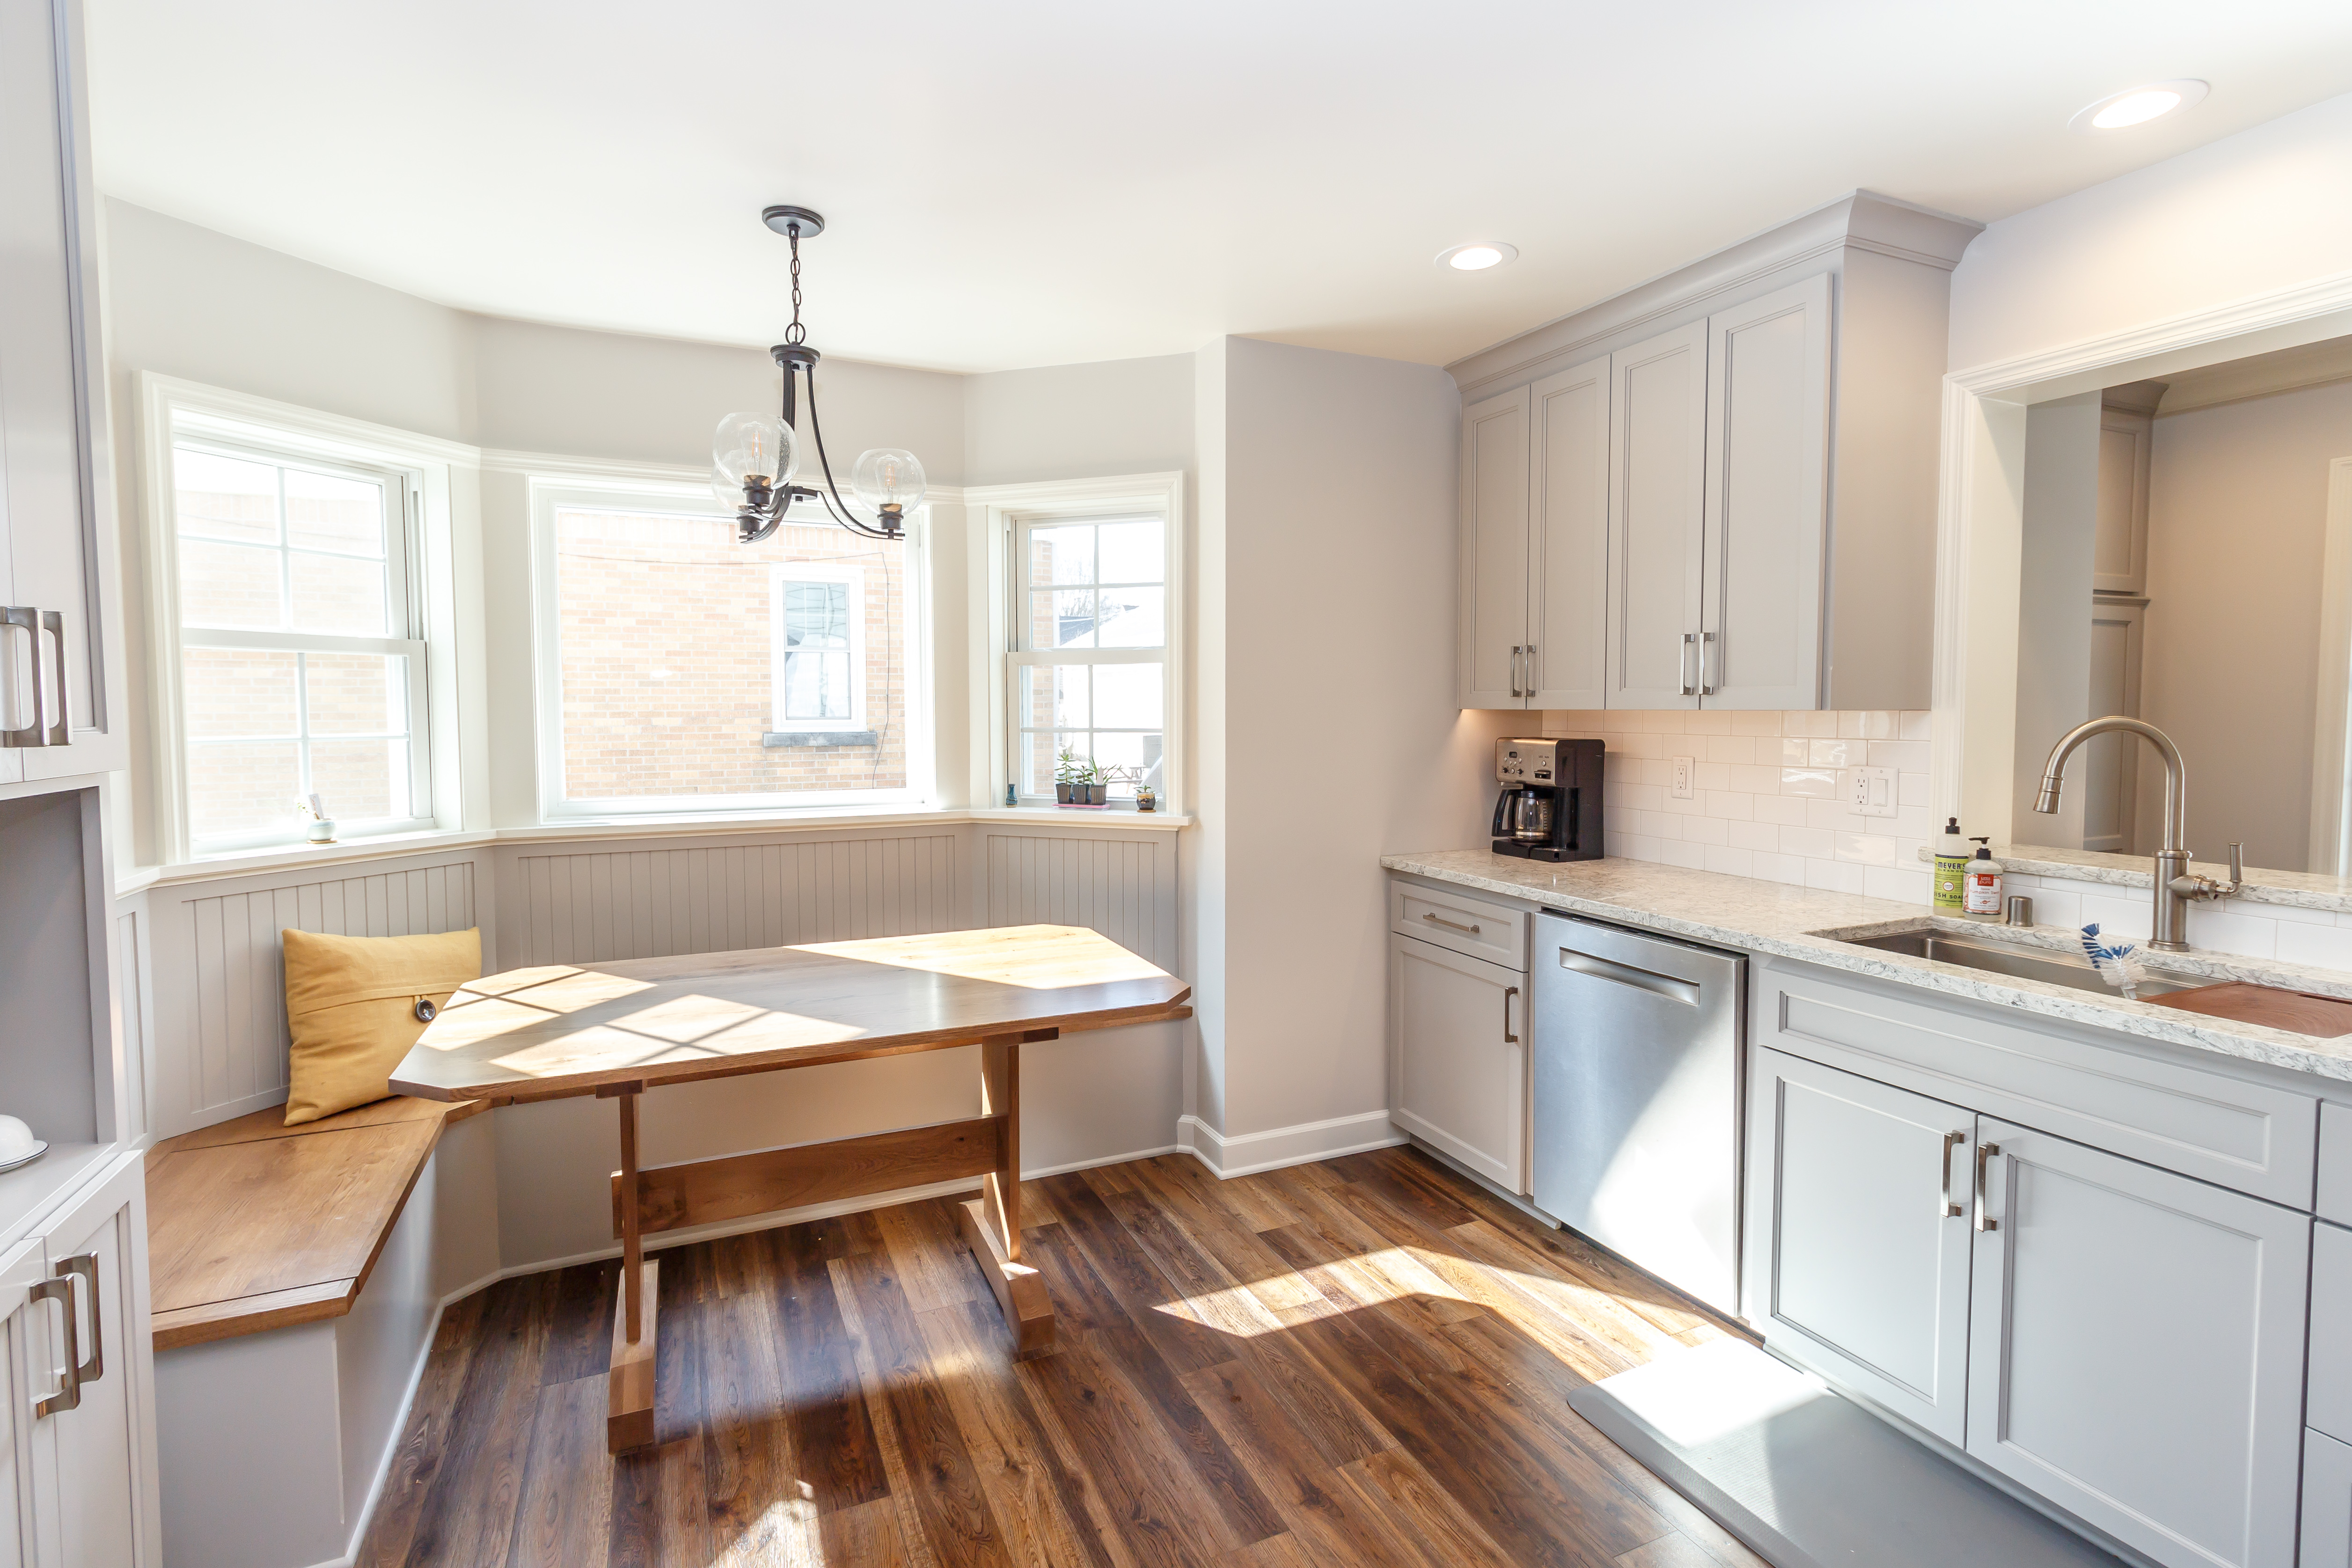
(254, 1225)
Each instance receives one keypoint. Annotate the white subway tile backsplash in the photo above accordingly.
(2328, 946)
(1907, 756)
(1896, 882)
(1833, 875)
(1768, 801)
(1731, 862)
(1916, 726)
(2117, 917)
(1819, 783)
(2214, 928)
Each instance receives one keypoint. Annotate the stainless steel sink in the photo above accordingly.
(2045, 964)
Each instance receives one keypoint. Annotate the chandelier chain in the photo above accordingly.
(796, 333)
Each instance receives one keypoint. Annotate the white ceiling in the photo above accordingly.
(1042, 182)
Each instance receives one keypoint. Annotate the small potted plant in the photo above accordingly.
(1065, 776)
(1097, 784)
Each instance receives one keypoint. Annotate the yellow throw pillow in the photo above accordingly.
(352, 1003)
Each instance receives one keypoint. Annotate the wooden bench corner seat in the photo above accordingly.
(253, 1225)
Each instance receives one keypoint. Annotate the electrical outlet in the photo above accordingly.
(1872, 792)
(1681, 788)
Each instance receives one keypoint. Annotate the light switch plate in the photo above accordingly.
(1681, 787)
(1872, 792)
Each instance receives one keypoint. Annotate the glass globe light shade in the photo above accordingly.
(758, 447)
(888, 480)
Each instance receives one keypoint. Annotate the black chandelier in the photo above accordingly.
(757, 456)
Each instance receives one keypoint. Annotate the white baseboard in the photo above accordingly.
(1245, 1153)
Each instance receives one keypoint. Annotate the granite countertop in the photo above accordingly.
(1762, 917)
(2297, 890)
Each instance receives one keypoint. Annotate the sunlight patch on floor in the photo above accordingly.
(786, 1536)
(1245, 1311)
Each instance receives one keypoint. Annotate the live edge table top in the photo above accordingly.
(571, 1029)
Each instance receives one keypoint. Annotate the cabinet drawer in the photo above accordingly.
(1466, 923)
(2334, 1163)
(2328, 1392)
(2250, 1136)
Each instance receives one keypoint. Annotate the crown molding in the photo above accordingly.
(1862, 220)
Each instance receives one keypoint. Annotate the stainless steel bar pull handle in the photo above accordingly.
(1451, 925)
(69, 1394)
(1515, 651)
(86, 1264)
(1710, 657)
(43, 728)
(1984, 1213)
(1508, 1038)
(1531, 681)
(1683, 663)
(1948, 1209)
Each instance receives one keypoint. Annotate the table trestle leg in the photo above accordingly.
(629, 1409)
(991, 1222)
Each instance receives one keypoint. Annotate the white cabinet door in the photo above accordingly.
(52, 396)
(1457, 1066)
(1767, 403)
(1657, 486)
(1856, 1264)
(106, 1453)
(2326, 1502)
(1494, 592)
(2136, 1349)
(28, 1471)
(1568, 548)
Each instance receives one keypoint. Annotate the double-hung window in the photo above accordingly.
(1090, 648)
(816, 659)
(301, 644)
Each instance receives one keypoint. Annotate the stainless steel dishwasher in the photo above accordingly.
(1636, 1109)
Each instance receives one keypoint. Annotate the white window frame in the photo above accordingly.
(416, 471)
(667, 491)
(852, 577)
(996, 516)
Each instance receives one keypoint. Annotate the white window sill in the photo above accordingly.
(139, 879)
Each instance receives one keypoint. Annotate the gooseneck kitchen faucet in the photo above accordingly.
(2175, 885)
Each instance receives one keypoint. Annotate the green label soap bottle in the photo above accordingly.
(1951, 866)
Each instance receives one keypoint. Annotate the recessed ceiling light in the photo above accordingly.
(2138, 105)
(1477, 256)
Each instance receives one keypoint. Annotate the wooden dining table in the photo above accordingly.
(618, 1030)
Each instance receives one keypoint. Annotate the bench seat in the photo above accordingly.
(253, 1225)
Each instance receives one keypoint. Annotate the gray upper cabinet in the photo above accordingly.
(1767, 403)
(1568, 543)
(2119, 542)
(1493, 632)
(2136, 1350)
(1857, 1234)
(1657, 518)
(56, 502)
(1772, 435)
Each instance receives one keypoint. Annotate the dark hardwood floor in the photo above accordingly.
(1361, 1361)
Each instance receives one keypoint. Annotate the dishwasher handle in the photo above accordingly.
(1685, 991)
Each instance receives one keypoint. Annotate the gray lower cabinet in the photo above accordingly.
(1857, 1255)
(2326, 1502)
(2136, 1349)
(2124, 1341)
(1457, 1057)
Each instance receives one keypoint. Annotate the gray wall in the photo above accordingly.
(2237, 531)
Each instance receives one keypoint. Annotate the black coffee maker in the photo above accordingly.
(1551, 805)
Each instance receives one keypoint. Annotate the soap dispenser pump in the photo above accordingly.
(1951, 866)
(1981, 893)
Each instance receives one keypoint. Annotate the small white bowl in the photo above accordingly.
(18, 1144)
